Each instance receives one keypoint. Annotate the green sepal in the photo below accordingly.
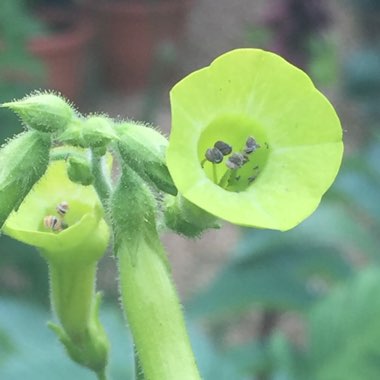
(23, 161)
(91, 350)
(143, 149)
(133, 212)
(45, 112)
(187, 219)
(92, 132)
(79, 170)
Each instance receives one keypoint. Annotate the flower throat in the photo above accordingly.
(239, 171)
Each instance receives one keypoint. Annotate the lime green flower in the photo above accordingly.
(82, 228)
(65, 222)
(253, 141)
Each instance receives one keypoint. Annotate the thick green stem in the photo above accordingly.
(154, 315)
(72, 291)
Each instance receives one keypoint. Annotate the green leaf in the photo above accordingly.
(212, 363)
(345, 332)
(332, 225)
(358, 184)
(278, 277)
(37, 355)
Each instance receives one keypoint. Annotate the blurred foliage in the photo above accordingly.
(366, 5)
(281, 275)
(29, 350)
(17, 65)
(297, 30)
(344, 332)
(21, 269)
(362, 69)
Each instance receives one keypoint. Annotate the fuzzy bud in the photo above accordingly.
(45, 112)
(93, 132)
(23, 161)
(187, 219)
(79, 170)
(143, 149)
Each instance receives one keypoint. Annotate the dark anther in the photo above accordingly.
(223, 147)
(235, 161)
(251, 145)
(214, 155)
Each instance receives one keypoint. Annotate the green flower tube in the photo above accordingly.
(253, 141)
(65, 222)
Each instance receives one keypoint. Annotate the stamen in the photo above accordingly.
(214, 174)
(233, 179)
(223, 147)
(235, 161)
(251, 145)
(214, 155)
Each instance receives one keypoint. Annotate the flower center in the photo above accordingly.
(59, 217)
(233, 151)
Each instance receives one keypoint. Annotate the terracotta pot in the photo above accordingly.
(130, 32)
(63, 52)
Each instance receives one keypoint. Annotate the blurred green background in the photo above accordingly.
(261, 305)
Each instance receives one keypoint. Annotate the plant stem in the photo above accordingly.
(154, 314)
(64, 154)
(101, 185)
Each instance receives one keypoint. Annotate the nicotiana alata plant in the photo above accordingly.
(253, 142)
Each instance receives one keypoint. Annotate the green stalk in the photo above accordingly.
(101, 184)
(72, 288)
(154, 315)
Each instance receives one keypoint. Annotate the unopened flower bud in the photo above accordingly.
(143, 149)
(79, 170)
(45, 112)
(23, 161)
(93, 132)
